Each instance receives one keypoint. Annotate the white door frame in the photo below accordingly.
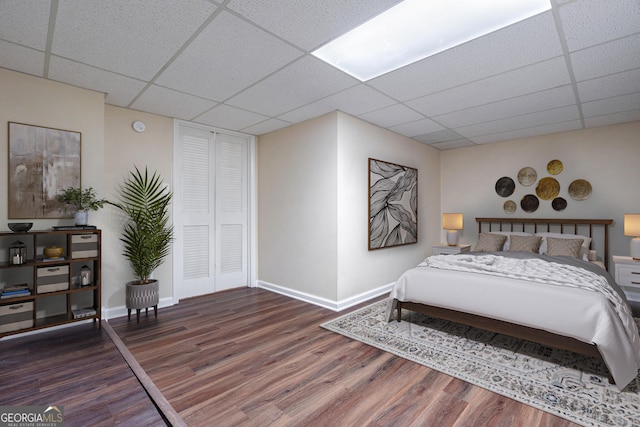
(252, 250)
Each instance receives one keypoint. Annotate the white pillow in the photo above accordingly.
(584, 249)
(507, 244)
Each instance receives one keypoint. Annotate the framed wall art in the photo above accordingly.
(41, 162)
(393, 204)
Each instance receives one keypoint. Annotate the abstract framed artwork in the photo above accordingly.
(393, 204)
(41, 162)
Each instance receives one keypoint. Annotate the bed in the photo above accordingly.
(562, 301)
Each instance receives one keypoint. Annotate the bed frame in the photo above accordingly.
(511, 329)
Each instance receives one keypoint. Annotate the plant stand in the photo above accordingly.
(144, 296)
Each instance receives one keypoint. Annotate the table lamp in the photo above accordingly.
(452, 222)
(632, 228)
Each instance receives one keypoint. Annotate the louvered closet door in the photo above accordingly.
(211, 215)
(231, 269)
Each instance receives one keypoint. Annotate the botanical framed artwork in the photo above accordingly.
(41, 162)
(393, 204)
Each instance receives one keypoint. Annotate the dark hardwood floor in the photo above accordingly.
(80, 369)
(254, 358)
(245, 357)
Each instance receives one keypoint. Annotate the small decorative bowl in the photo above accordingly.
(20, 227)
(53, 251)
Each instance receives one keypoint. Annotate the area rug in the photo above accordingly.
(572, 386)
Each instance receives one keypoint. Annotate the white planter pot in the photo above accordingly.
(82, 217)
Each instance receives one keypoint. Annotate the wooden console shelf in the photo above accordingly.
(56, 293)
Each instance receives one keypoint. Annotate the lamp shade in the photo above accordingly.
(452, 221)
(632, 228)
(632, 225)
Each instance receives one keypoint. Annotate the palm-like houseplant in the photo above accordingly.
(147, 234)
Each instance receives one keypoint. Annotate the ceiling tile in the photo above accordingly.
(298, 84)
(531, 103)
(607, 58)
(419, 127)
(438, 136)
(309, 23)
(25, 22)
(616, 104)
(608, 86)
(590, 22)
(132, 38)
(235, 53)
(528, 132)
(530, 79)
(518, 45)
(556, 115)
(449, 145)
(356, 100)
(266, 127)
(22, 59)
(224, 116)
(612, 119)
(166, 102)
(119, 90)
(391, 116)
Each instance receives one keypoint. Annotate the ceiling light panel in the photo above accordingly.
(416, 29)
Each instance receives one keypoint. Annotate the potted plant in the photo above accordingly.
(146, 235)
(82, 200)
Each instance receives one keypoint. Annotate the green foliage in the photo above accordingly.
(81, 200)
(147, 234)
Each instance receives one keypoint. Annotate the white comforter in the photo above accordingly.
(564, 299)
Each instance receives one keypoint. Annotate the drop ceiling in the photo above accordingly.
(245, 65)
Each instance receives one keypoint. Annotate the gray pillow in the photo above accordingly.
(489, 242)
(525, 243)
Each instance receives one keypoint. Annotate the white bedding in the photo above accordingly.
(564, 306)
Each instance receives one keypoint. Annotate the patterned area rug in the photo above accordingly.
(566, 384)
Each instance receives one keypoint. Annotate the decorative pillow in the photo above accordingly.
(525, 243)
(507, 244)
(584, 249)
(489, 242)
(563, 247)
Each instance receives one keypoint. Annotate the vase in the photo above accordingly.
(139, 296)
(82, 217)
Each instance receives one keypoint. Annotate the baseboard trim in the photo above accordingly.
(324, 302)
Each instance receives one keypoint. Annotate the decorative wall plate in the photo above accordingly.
(529, 203)
(527, 176)
(510, 206)
(505, 186)
(548, 188)
(559, 204)
(554, 167)
(580, 189)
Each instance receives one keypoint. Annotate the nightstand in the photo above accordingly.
(627, 275)
(444, 249)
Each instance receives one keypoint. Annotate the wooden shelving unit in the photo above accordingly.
(56, 289)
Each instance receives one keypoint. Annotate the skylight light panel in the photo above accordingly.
(415, 29)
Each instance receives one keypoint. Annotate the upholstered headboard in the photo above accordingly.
(597, 229)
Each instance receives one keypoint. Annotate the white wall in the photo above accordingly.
(297, 207)
(125, 148)
(360, 270)
(35, 101)
(607, 157)
(313, 207)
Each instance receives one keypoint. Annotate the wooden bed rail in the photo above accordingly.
(566, 225)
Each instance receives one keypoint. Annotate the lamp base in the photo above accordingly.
(452, 237)
(634, 248)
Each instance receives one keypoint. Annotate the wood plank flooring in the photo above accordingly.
(249, 357)
(80, 369)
